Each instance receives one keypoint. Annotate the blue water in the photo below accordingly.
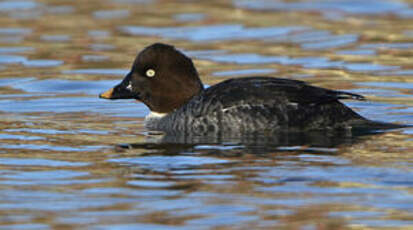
(365, 7)
(211, 33)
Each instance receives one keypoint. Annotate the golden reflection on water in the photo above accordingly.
(61, 166)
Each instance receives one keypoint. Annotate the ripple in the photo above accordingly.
(134, 1)
(397, 73)
(111, 14)
(75, 104)
(56, 38)
(60, 10)
(377, 181)
(53, 201)
(408, 33)
(20, 49)
(26, 227)
(356, 214)
(26, 14)
(357, 52)
(367, 67)
(211, 33)
(19, 137)
(245, 58)
(400, 85)
(383, 223)
(202, 53)
(12, 59)
(379, 92)
(17, 5)
(13, 81)
(162, 163)
(118, 72)
(207, 178)
(43, 176)
(11, 39)
(217, 147)
(150, 184)
(94, 58)
(310, 36)
(333, 41)
(42, 63)
(40, 162)
(406, 13)
(223, 215)
(133, 192)
(67, 86)
(99, 33)
(141, 226)
(313, 39)
(244, 72)
(102, 47)
(306, 62)
(189, 17)
(387, 46)
(50, 147)
(15, 31)
(346, 6)
(54, 131)
(175, 205)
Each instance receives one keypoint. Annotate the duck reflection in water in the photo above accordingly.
(252, 143)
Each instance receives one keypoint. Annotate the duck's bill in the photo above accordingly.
(118, 92)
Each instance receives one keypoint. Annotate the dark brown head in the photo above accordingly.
(161, 77)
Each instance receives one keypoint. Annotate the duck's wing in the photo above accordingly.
(257, 90)
(260, 103)
(264, 104)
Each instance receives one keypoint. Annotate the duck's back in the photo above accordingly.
(261, 104)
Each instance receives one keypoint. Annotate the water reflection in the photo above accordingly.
(244, 72)
(352, 6)
(15, 31)
(62, 164)
(11, 59)
(212, 33)
(189, 17)
(111, 14)
(16, 49)
(56, 38)
(311, 62)
(17, 5)
(238, 144)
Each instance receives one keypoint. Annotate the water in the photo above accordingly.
(71, 160)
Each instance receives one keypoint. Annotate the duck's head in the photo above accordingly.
(161, 77)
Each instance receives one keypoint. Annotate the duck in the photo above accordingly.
(167, 82)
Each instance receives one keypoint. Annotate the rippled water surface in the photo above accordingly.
(69, 160)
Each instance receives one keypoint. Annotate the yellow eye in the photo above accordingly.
(150, 73)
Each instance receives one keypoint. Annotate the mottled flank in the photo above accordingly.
(260, 104)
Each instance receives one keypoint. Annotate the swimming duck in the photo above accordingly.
(166, 81)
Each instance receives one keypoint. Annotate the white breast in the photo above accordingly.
(153, 117)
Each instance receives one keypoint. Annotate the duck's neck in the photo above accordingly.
(153, 118)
